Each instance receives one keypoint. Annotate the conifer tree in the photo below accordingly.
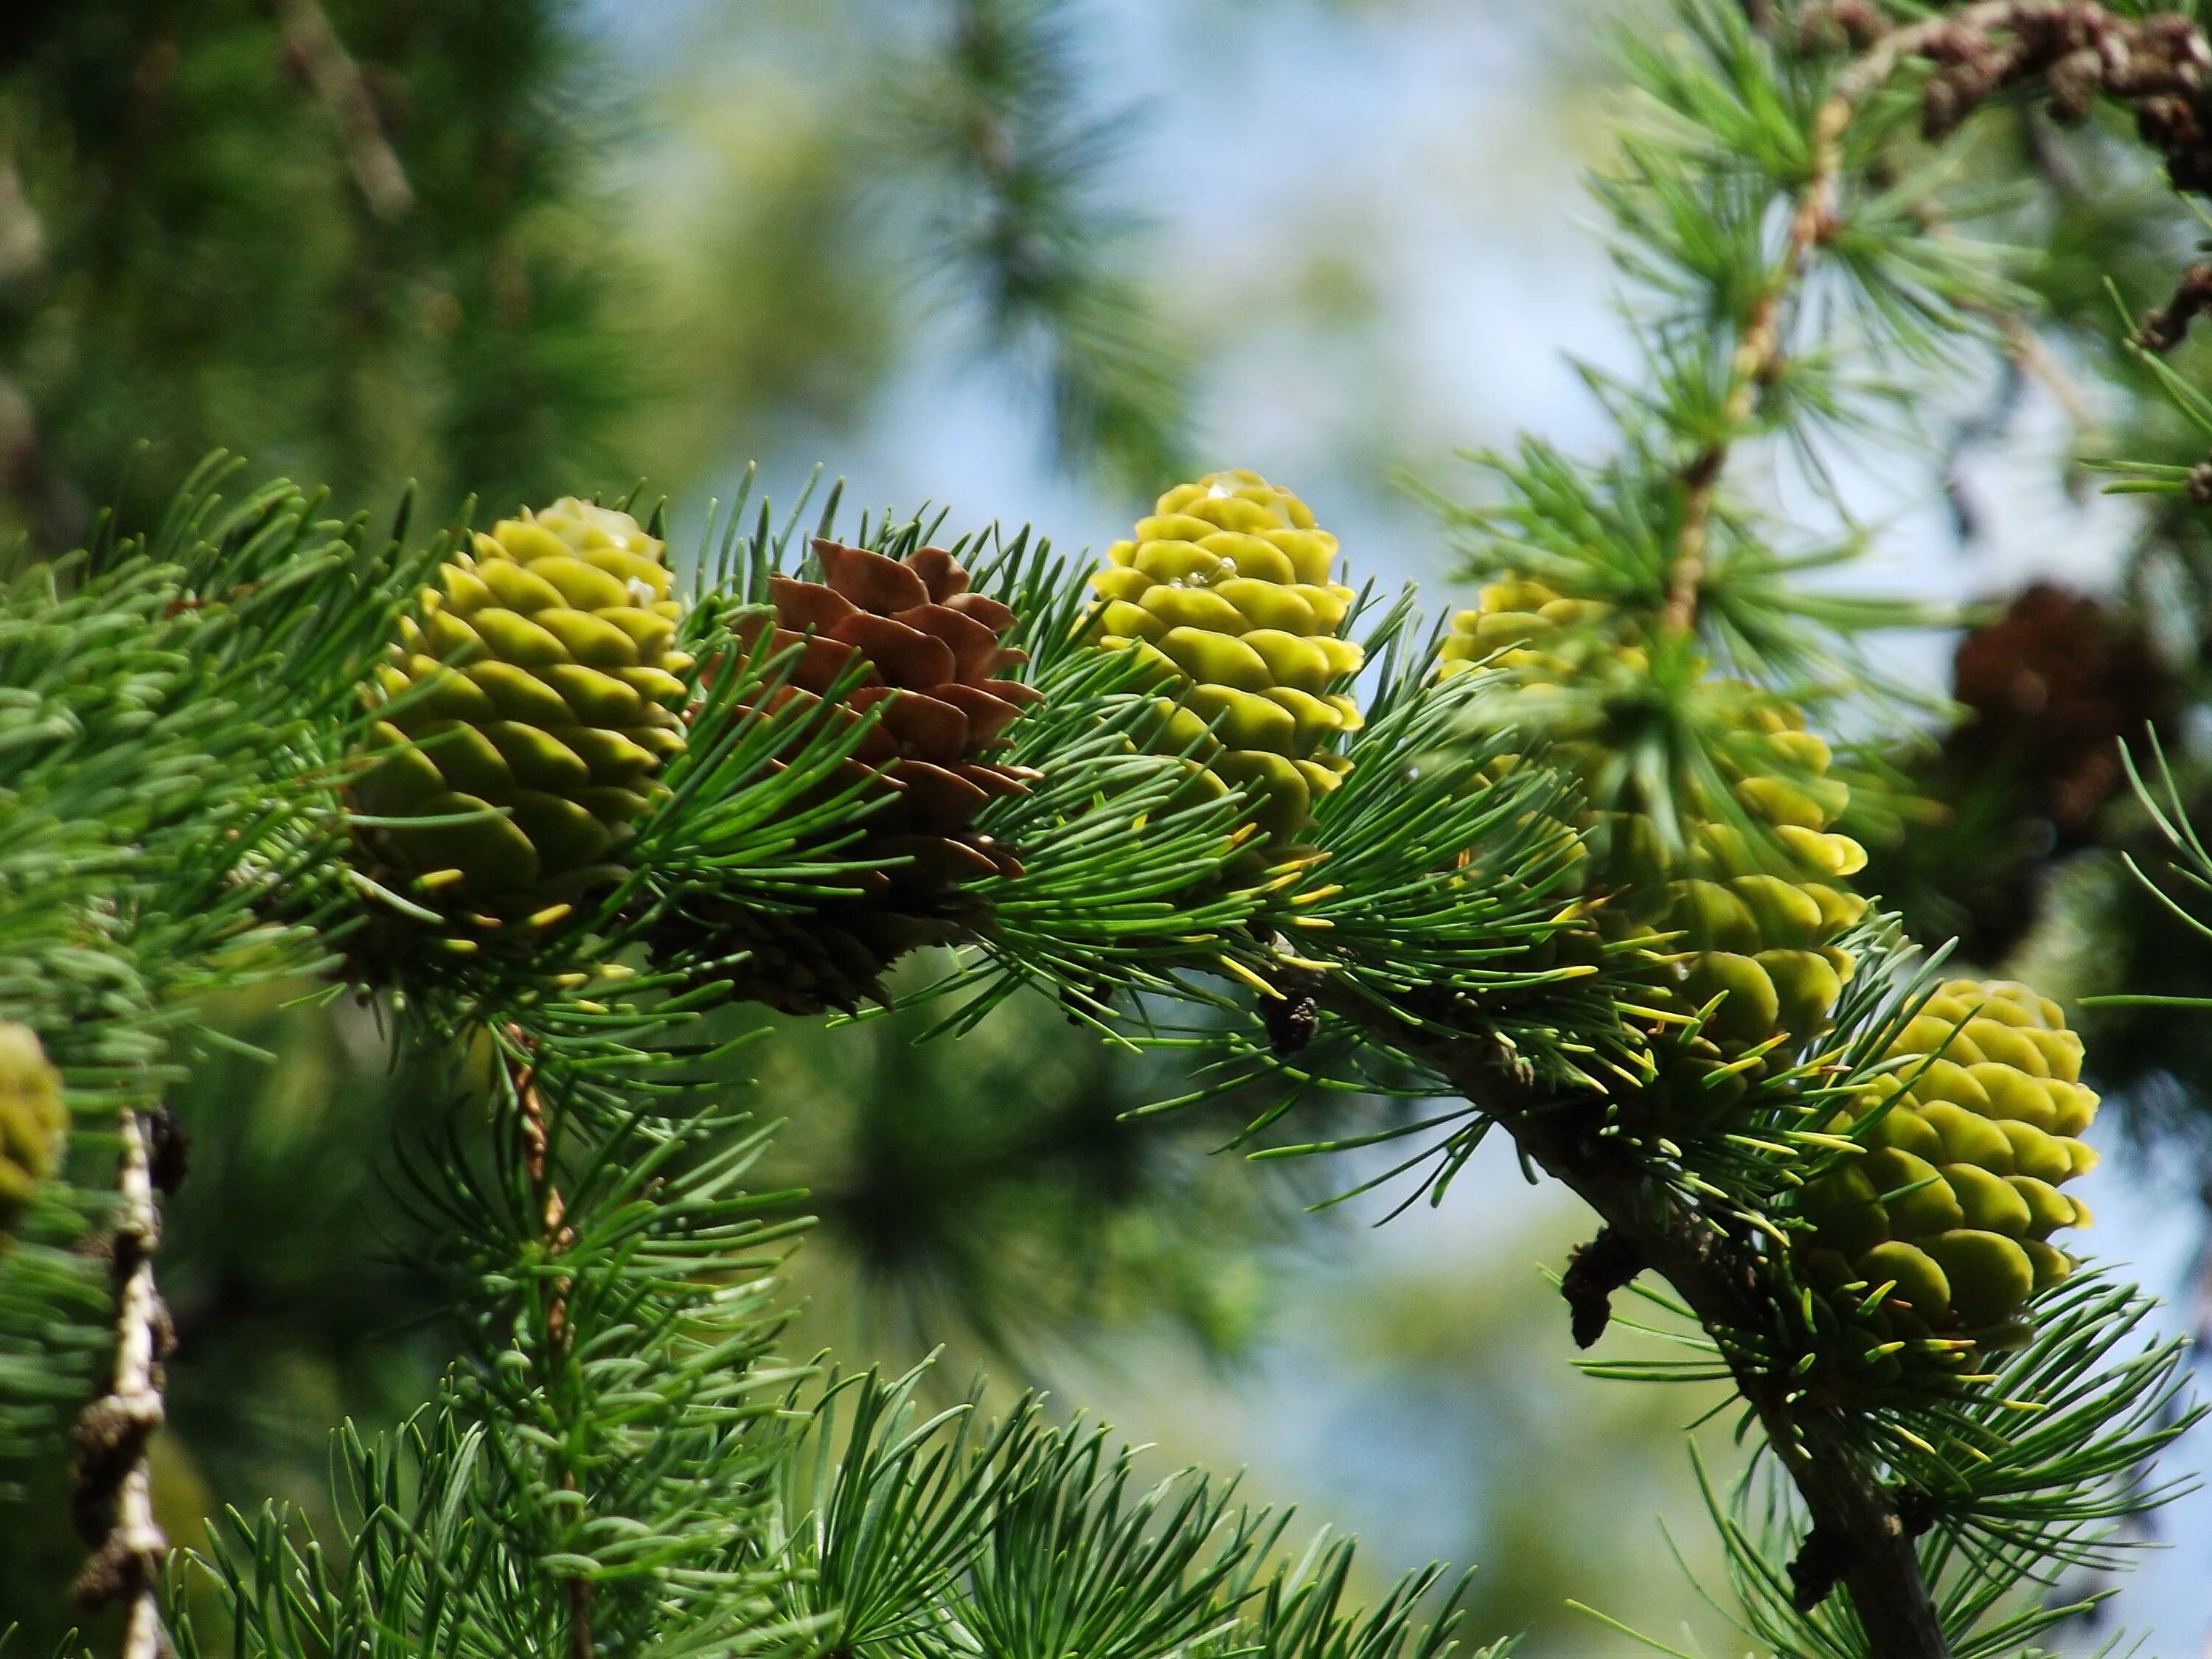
(1569, 860)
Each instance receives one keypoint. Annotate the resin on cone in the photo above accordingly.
(1228, 590)
(32, 1122)
(1754, 905)
(906, 641)
(1939, 1234)
(529, 703)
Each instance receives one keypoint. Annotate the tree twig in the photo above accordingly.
(580, 1619)
(537, 1157)
(113, 1500)
(2159, 66)
(1757, 356)
(1756, 361)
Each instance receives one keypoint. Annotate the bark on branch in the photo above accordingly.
(114, 1501)
(537, 1157)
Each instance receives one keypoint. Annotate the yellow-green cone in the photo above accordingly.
(1227, 589)
(540, 677)
(32, 1122)
(1756, 917)
(1954, 1203)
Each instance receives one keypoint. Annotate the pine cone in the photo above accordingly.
(1226, 589)
(1514, 621)
(540, 679)
(925, 653)
(1954, 1205)
(832, 957)
(2055, 685)
(1762, 921)
(32, 1122)
(1755, 922)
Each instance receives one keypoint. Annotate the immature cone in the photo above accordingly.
(1756, 915)
(32, 1122)
(539, 679)
(906, 639)
(1227, 590)
(1760, 919)
(1937, 1237)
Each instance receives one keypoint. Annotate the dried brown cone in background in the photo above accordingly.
(2032, 774)
(927, 657)
(2056, 684)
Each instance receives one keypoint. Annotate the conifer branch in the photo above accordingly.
(1757, 358)
(2158, 65)
(611, 1467)
(2165, 327)
(558, 1236)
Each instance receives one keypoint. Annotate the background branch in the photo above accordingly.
(321, 59)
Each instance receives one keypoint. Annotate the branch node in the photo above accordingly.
(1819, 1567)
(1292, 1018)
(1291, 1024)
(2166, 327)
(170, 1152)
(1595, 1271)
(1917, 1511)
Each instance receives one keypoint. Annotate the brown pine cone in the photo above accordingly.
(906, 638)
(2056, 684)
(909, 626)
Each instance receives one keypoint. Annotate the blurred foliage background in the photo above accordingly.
(527, 248)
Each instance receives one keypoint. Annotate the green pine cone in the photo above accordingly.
(1755, 926)
(539, 691)
(1940, 1234)
(1226, 590)
(32, 1122)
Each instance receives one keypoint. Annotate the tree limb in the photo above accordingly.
(1756, 362)
(1717, 1276)
(537, 1157)
(1757, 356)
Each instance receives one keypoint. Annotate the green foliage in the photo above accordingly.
(200, 196)
(622, 1458)
(171, 826)
(987, 1192)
